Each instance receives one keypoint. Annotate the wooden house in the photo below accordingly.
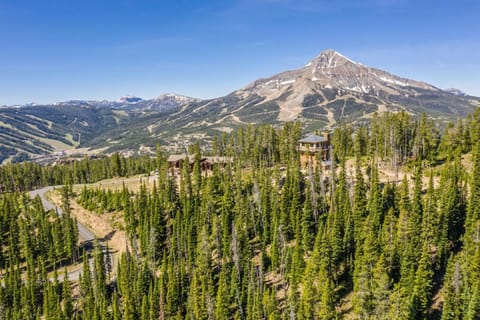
(175, 162)
(315, 147)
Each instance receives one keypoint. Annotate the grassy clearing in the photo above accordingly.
(132, 183)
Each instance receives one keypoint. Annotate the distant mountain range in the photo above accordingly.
(163, 103)
(328, 90)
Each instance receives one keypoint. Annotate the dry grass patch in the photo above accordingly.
(132, 183)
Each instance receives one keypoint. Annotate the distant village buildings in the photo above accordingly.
(315, 149)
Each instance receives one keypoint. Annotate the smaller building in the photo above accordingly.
(315, 147)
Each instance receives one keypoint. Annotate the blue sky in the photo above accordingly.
(101, 49)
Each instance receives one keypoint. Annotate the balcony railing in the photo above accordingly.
(313, 149)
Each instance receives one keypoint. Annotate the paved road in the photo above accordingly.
(83, 233)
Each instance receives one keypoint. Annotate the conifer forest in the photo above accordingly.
(262, 236)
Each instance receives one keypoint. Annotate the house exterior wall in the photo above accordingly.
(314, 153)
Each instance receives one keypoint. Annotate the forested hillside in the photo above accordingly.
(262, 238)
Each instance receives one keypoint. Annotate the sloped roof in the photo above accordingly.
(219, 159)
(313, 138)
(215, 159)
(180, 157)
(176, 157)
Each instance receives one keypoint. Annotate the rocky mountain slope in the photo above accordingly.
(163, 103)
(328, 90)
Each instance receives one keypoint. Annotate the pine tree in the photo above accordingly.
(99, 273)
(423, 284)
(365, 262)
(359, 199)
(326, 303)
(381, 287)
(453, 286)
(67, 297)
(223, 299)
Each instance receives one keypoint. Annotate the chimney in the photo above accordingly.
(326, 135)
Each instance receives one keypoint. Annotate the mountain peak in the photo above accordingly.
(330, 53)
(330, 59)
(175, 98)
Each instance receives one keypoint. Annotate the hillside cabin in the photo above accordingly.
(315, 147)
